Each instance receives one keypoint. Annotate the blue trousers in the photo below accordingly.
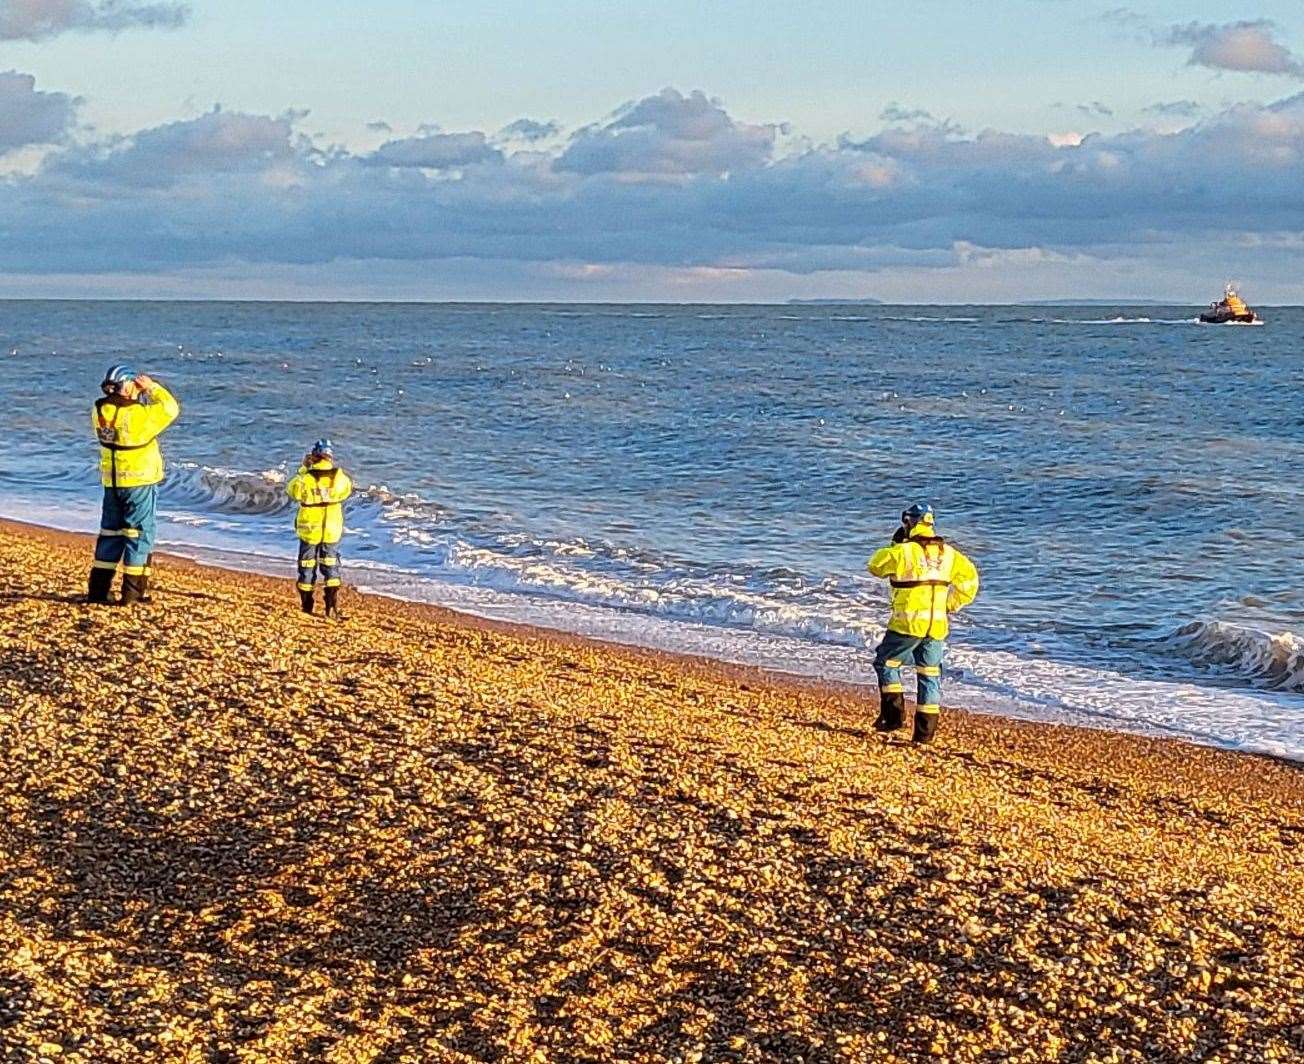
(318, 557)
(128, 529)
(925, 653)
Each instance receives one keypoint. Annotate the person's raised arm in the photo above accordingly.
(343, 486)
(163, 407)
(883, 562)
(964, 583)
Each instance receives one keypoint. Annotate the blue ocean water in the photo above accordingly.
(712, 478)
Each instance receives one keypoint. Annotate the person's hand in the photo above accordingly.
(145, 382)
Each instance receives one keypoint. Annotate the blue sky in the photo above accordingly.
(896, 150)
(825, 67)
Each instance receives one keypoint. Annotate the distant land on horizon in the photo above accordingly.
(867, 302)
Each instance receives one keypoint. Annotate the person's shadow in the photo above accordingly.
(80, 600)
(21, 596)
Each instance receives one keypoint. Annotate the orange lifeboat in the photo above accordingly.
(1230, 310)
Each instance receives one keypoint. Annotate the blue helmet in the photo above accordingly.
(116, 376)
(919, 512)
(323, 447)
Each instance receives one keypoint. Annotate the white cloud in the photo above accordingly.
(1246, 47)
(669, 134)
(529, 130)
(1175, 109)
(1096, 109)
(29, 116)
(436, 151)
(693, 193)
(895, 112)
(34, 20)
(217, 145)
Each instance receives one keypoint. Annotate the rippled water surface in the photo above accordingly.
(1130, 483)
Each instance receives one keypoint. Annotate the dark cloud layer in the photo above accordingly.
(670, 182)
(34, 20)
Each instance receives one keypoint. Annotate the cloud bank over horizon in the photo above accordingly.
(668, 196)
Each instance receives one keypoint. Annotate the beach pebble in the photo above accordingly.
(234, 832)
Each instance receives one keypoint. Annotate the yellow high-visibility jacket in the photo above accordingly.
(320, 490)
(128, 435)
(929, 578)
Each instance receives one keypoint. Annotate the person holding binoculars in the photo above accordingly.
(127, 421)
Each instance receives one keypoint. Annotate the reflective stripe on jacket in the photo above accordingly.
(320, 491)
(128, 436)
(929, 578)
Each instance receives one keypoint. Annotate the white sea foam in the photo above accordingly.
(406, 547)
(926, 318)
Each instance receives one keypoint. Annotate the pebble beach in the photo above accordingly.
(231, 832)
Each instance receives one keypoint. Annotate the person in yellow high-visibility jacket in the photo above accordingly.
(320, 488)
(127, 421)
(930, 579)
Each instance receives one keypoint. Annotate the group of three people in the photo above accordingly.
(929, 578)
(128, 419)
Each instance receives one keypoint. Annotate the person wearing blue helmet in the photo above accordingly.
(127, 421)
(929, 580)
(320, 488)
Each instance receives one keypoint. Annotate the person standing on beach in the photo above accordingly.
(930, 579)
(127, 421)
(320, 488)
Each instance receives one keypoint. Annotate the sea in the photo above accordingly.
(712, 479)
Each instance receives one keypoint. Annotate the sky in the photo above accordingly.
(923, 151)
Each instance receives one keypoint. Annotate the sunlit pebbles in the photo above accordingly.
(229, 832)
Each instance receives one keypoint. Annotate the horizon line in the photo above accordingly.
(814, 303)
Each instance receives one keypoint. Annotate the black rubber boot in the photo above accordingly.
(147, 579)
(305, 600)
(925, 726)
(99, 586)
(891, 711)
(133, 588)
(332, 604)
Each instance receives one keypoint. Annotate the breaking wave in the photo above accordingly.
(228, 491)
(424, 540)
(1273, 660)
